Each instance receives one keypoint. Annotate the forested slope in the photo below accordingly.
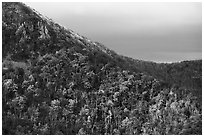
(55, 81)
(182, 75)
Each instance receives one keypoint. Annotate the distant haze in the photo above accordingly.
(161, 32)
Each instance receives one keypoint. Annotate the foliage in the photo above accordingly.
(63, 83)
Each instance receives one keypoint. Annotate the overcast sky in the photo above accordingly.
(161, 32)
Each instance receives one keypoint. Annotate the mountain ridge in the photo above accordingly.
(55, 81)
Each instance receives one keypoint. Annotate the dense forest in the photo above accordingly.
(56, 82)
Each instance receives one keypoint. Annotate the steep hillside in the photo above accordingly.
(55, 81)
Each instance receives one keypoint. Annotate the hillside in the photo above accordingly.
(55, 82)
(185, 74)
